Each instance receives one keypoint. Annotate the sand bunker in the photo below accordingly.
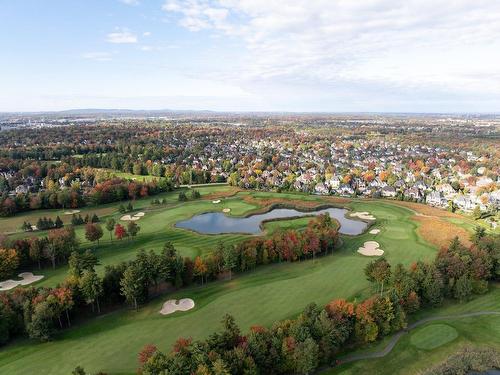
(371, 249)
(363, 215)
(135, 217)
(172, 305)
(375, 231)
(129, 218)
(216, 201)
(226, 210)
(71, 212)
(27, 278)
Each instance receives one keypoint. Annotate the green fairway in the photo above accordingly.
(431, 343)
(263, 296)
(433, 336)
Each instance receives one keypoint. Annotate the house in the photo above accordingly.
(334, 182)
(483, 181)
(388, 192)
(21, 189)
(320, 188)
(412, 193)
(346, 189)
(434, 199)
(464, 203)
(446, 189)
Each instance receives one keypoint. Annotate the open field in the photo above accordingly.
(431, 343)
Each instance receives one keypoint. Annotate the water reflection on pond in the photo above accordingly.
(218, 223)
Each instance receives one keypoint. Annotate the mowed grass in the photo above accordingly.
(437, 342)
(433, 336)
(111, 343)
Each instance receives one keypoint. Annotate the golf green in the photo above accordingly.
(433, 336)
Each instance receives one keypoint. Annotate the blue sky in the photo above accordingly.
(242, 55)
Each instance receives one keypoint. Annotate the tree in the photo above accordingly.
(463, 288)
(63, 241)
(111, 282)
(200, 268)
(41, 325)
(146, 353)
(476, 213)
(132, 284)
(58, 223)
(229, 259)
(91, 288)
(133, 228)
(36, 250)
(78, 371)
(93, 232)
(110, 225)
(120, 231)
(479, 233)
(9, 261)
(74, 264)
(306, 356)
(64, 298)
(433, 286)
(378, 271)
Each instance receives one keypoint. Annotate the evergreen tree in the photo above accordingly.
(58, 223)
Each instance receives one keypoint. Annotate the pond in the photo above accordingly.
(218, 223)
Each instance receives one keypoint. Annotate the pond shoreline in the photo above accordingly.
(192, 225)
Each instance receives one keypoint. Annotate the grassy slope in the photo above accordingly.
(270, 293)
(406, 358)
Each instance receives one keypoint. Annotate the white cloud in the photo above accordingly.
(433, 45)
(121, 36)
(98, 56)
(146, 33)
(130, 2)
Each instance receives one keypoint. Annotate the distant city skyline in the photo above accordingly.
(236, 55)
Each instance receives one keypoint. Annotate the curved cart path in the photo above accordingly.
(395, 338)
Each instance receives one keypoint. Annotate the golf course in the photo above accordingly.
(263, 296)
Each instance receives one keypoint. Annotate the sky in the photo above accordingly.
(251, 55)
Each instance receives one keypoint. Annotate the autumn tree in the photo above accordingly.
(200, 268)
(378, 271)
(36, 250)
(9, 261)
(93, 232)
(120, 231)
